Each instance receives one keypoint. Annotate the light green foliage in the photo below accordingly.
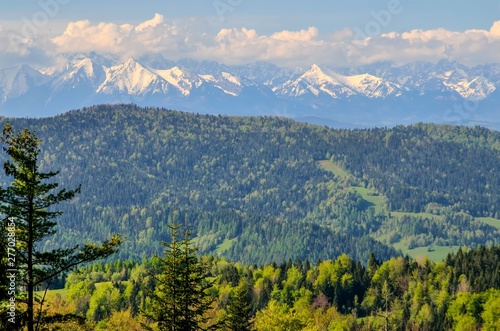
(329, 274)
(392, 271)
(119, 321)
(105, 300)
(293, 278)
(278, 317)
(398, 294)
(342, 323)
(465, 323)
(491, 313)
(464, 311)
(80, 292)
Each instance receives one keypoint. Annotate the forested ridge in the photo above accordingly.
(252, 189)
(416, 165)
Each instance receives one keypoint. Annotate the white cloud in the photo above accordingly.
(495, 30)
(302, 35)
(14, 43)
(157, 20)
(23, 46)
(153, 36)
(235, 46)
(195, 38)
(82, 36)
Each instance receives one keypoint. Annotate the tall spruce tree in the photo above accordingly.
(239, 309)
(180, 301)
(27, 203)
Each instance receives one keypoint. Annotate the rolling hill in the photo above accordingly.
(261, 189)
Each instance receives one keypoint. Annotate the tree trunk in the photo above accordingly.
(31, 319)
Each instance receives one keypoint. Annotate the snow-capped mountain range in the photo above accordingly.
(378, 94)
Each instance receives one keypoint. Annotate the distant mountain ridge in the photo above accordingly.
(378, 94)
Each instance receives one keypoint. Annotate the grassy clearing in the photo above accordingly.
(332, 167)
(437, 253)
(52, 293)
(226, 244)
(377, 201)
(490, 221)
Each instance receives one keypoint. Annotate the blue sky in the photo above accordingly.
(239, 31)
(265, 16)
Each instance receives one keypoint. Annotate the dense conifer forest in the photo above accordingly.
(264, 189)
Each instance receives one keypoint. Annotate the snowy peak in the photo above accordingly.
(224, 81)
(230, 78)
(260, 88)
(132, 78)
(471, 88)
(17, 81)
(180, 78)
(371, 86)
(316, 75)
(79, 73)
(319, 80)
(445, 76)
(85, 67)
(314, 81)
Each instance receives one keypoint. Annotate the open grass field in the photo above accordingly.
(490, 221)
(332, 167)
(52, 293)
(437, 253)
(376, 201)
(226, 244)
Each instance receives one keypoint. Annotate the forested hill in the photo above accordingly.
(267, 189)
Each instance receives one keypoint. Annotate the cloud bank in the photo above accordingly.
(190, 39)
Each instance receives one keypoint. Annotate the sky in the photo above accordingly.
(288, 33)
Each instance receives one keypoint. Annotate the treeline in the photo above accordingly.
(460, 293)
(252, 189)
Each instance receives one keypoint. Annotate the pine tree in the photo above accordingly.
(238, 309)
(179, 302)
(27, 203)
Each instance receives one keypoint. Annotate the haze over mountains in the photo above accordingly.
(374, 95)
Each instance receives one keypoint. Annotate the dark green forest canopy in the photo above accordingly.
(251, 187)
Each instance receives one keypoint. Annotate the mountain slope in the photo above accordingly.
(252, 189)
